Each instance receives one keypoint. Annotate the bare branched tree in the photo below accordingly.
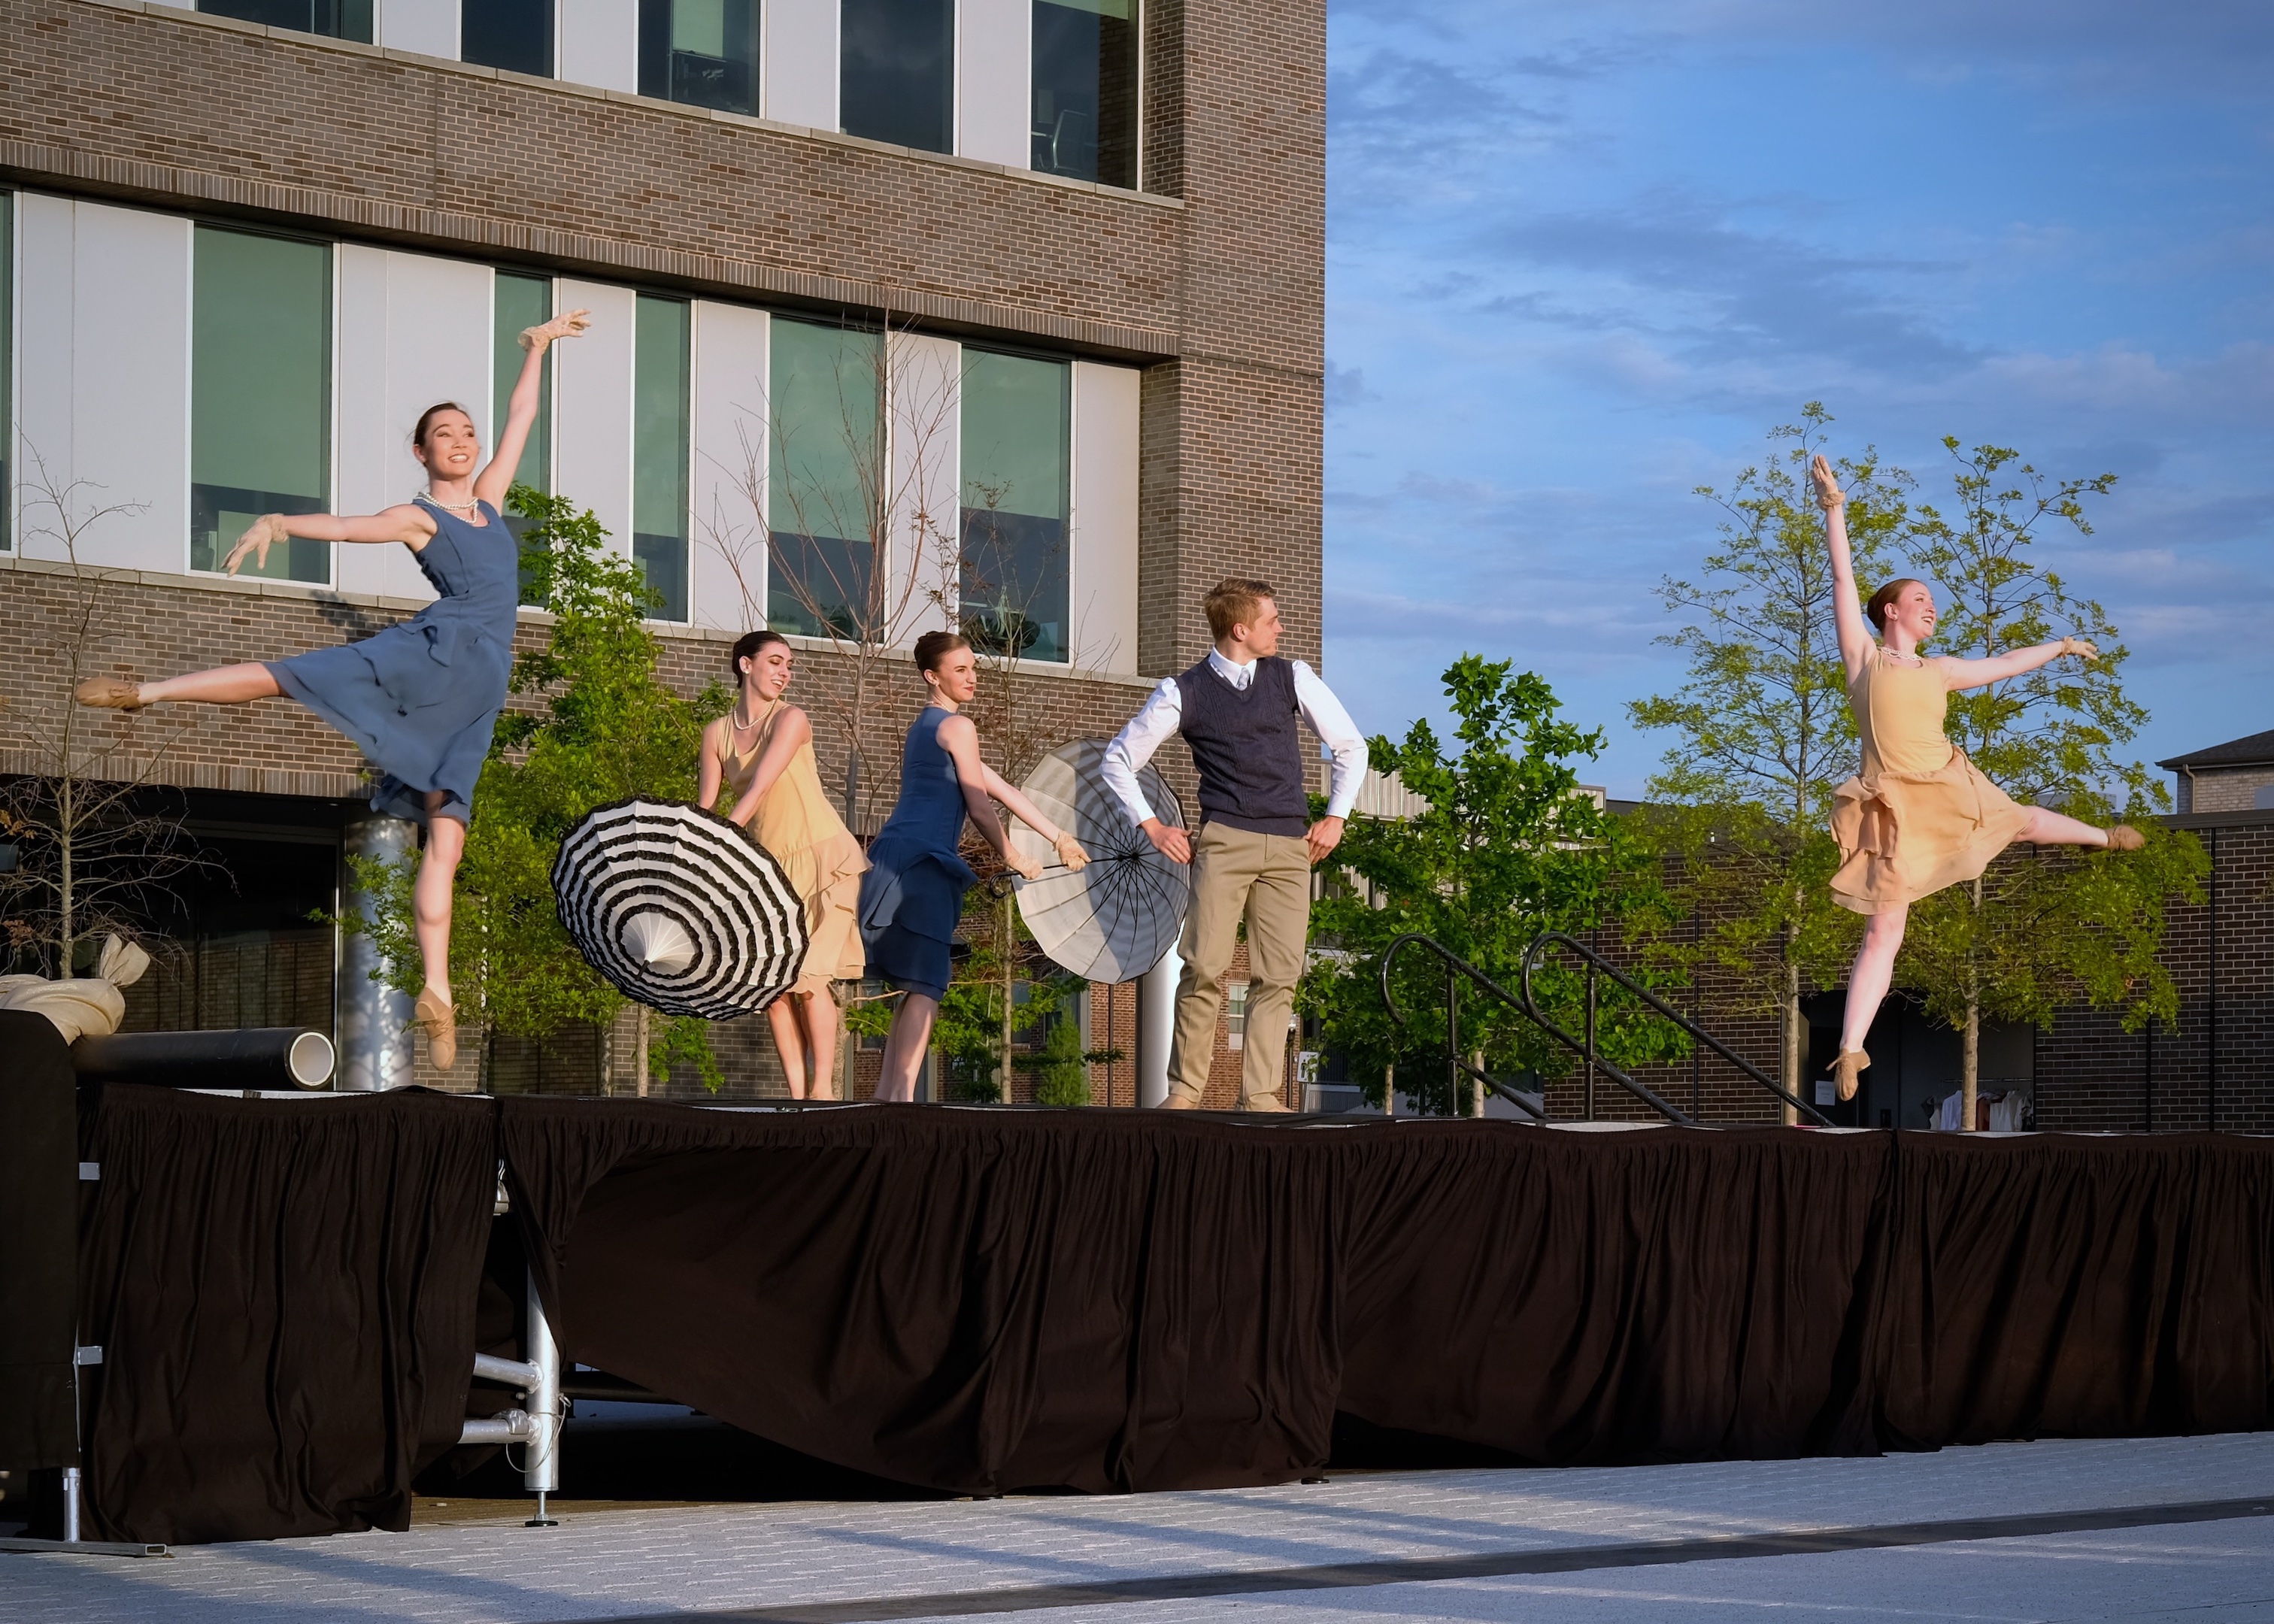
(865, 562)
(88, 854)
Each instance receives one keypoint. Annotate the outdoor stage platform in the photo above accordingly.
(289, 1294)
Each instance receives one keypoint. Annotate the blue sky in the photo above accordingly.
(1581, 258)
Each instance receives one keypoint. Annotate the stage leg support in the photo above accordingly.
(542, 1470)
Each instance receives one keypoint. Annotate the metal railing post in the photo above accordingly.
(542, 1468)
(1452, 1043)
(1591, 1041)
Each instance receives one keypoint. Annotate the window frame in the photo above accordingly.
(329, 394)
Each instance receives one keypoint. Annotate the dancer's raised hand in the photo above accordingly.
(570, 326)
(1828, 494)
(262, 534)
(2079, 647)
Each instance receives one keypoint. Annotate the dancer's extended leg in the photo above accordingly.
(2047, 828)
(789, 1042)
(226, 684)
(430, 908)
(1873, 972)
(904, 1049)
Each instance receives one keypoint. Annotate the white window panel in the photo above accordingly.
(1103, 565)
(413, 331)
(728, 568)
(429, 27)
(592, 407)
(924, 421)
(797, 59)
(599, 43)
(994, 66)
(103, 343)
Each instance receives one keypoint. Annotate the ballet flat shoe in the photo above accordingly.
(1848, 1071)
(1265, 1102)
(1180, 1102)
(110, 693)
(441, 1023)
(2124, 837)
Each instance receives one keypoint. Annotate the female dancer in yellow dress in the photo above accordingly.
(763, 750)
(1920, 815)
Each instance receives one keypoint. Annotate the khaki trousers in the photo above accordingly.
(1267, 879)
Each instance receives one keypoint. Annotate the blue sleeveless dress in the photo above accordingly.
(912, 897)
(421, 698)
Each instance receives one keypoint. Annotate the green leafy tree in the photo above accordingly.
(602, 727)
(1507, 847)
(2040, 928)
(1062, 1068)
(1762, 733)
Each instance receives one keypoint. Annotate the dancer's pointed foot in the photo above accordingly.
(2124, 837)
(435, 1012)
(1848, 1072)
(110, 693)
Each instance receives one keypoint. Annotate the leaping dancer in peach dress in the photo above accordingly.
(1920, 816)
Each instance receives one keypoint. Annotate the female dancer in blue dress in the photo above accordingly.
(421, 698)
(913, 894)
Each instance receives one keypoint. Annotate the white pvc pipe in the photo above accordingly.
(543, 1471)
(1156, 1028)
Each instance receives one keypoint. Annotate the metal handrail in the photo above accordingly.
(1598, 964)
(1454, 962)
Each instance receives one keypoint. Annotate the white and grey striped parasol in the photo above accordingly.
(679, 909)
(1113, 921)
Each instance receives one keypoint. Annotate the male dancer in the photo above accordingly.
(1237, 710)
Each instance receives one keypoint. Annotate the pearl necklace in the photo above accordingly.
(433, 500)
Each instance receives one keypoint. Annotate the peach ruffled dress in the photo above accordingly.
(797, 825)
(1920, 815)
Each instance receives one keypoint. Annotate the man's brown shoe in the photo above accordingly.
(110, 693)
(1180, 1102)
(2124, 837)
(1263, 1102)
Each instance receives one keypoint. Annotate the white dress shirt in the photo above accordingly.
(1163, 712)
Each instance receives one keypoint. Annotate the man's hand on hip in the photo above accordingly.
(1323, 837)
(1172, 842)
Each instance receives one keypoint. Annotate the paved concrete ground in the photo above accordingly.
(1943, 1536)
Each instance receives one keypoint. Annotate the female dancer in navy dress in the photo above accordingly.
(421, 698)
(913, 894)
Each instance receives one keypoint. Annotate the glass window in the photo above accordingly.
(1086, 89)
(824, 478)
(261, 395)
(342, 19)
(516, 303)
(1017, 424)
(513, 34)
(661, 411)
(7, 368)
(896, 75)
(702, 52)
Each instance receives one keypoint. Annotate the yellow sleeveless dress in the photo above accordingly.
(797, 825)
(1920, 815)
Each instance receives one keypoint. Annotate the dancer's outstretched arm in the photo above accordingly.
(405, 523)
(1855, 638)
(1963, 674)
(1068, 848)
(961, 740)
(492, 484)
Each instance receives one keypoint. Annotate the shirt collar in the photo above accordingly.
(1232, 671)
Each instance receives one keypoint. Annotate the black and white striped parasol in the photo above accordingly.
(679, 909)
(1113, 920)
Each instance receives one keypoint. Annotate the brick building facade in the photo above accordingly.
(1184, 306)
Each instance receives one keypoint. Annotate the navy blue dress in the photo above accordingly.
(912, 896)
(421, 698)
